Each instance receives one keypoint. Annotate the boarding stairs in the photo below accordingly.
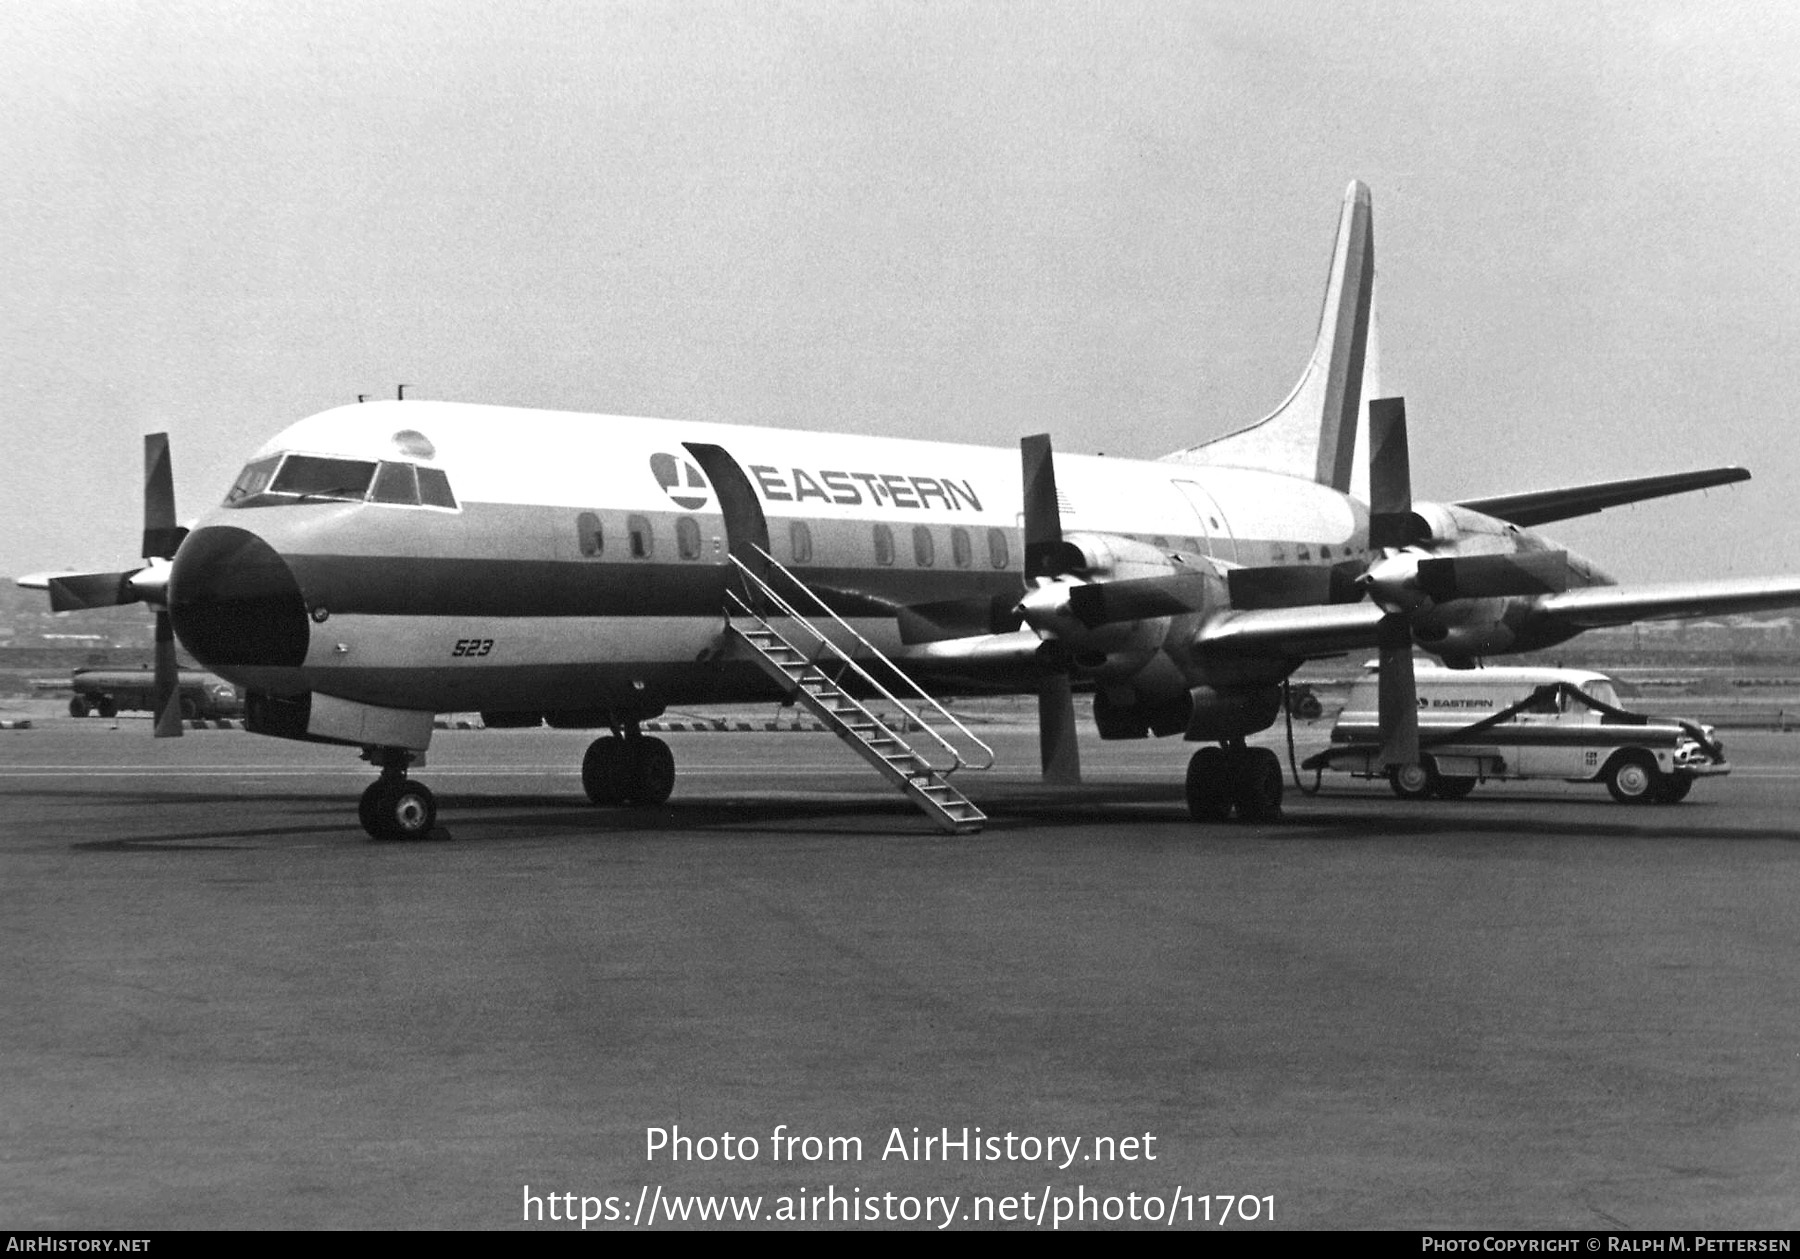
(816, 671)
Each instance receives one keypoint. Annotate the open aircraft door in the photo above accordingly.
(746, 528)
(1221, 544)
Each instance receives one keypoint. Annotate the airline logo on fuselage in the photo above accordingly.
(681, 481)
(878, 489)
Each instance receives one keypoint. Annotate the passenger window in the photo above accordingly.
(1303, 553)
(997, 555)
(962, 551)
(1192, 544)
(800, 542)
(924, 548)
(642, 540)
(589, 534)
(1277, 553)
(395, 483)
(1324, 552)
(884, 545)
(1159, 542)
(687, 538)
(434, 488)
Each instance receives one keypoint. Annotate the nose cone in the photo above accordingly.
(235, 602)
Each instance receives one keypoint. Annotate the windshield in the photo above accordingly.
(282, 479)
(1602, 691)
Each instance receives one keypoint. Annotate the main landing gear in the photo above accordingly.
(634, 769)
(1234, 779)
(395, 807)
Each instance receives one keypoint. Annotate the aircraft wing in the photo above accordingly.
(1292, 633)
(1593, 606)
(1540, 507)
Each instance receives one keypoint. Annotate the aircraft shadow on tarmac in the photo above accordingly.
(1013, 808)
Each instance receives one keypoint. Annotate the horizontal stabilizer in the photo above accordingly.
(1544, 506)
(1594, 606)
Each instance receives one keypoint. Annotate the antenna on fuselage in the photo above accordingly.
(400, 393)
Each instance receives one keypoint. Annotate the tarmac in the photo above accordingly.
(225, 1007)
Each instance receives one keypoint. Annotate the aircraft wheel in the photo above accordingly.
(604, 772)
(1209, 786)
(652, 771)
(1414, 782)
(366, 810)
(398, 810)
(1674, 789)
(1454, 788)
(107, 707)
(1633, 778)
(78, 707)
(1257, 785)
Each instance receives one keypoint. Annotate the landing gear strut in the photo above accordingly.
(393, 806)
(633, 769)
(1234, 779)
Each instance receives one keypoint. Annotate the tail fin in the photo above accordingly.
(1313, 432)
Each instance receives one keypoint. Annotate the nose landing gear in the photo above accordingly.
(393, 806)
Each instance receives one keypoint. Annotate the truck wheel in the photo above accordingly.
(1449, 788)
(107, 707)
(1633, 778)
(1414, 782)
(78, 707)
(190, 711)
(1674, 790)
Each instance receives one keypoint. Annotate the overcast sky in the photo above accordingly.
(967, 221)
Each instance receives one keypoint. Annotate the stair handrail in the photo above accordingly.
(986, 760)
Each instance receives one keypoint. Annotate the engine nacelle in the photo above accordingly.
(1439, 521)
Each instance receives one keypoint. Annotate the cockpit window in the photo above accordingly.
(434, 488)
(395, 483)
(313, 476)
(254, 479)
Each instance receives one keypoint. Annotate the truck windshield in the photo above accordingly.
(1602, 691)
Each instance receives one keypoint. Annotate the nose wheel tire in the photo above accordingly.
(397, 810)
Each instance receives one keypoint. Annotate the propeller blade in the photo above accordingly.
(1045, 553)
(1479, 576)
(161, 534)
(1137, 598)
(1398, 695)
(1391, 519)
(72, 592)
(1057, 749)
(1293, 586)
(168, 681)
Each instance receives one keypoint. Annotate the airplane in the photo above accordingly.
(382, 562)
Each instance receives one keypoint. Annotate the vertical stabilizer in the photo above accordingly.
(1312, 434)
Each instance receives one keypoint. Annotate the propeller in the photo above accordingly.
(1393, 525)
(150, 584)
(1048, 557)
